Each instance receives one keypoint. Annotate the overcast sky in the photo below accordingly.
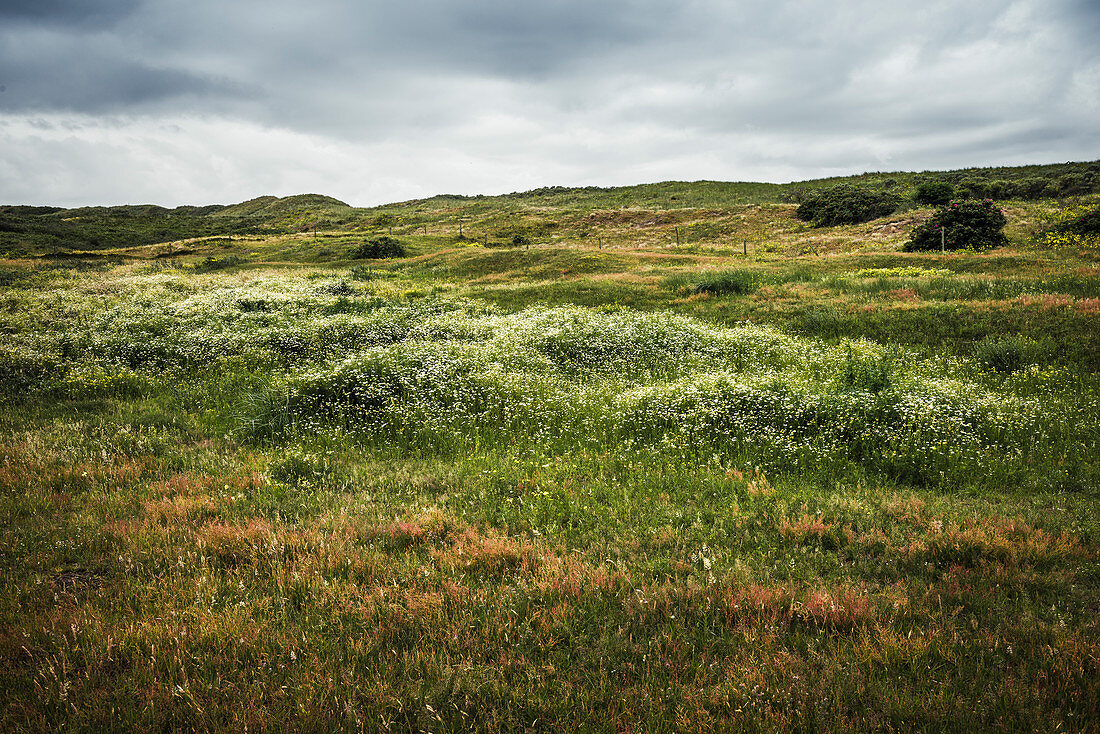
(208, 101)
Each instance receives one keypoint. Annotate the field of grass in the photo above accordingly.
(676, 464)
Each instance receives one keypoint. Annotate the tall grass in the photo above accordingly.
(292, 501)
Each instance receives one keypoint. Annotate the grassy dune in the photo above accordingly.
(603, 481)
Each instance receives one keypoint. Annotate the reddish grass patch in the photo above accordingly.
(997, 540)
(904, 294)
(189, 485)
(233, 545)
(22, 471)
(1090, 306)
(840, 609)
(185, 510)
(1045, 301)
(489, 555)
(428, 528)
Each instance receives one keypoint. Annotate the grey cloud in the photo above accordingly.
(612, 89)
(51, 70)
(82, 13)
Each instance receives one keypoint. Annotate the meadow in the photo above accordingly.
(670, 461)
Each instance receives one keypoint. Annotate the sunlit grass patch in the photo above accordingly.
(903, 271)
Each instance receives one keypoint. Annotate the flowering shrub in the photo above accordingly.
(1084, 219)
(961, 225)
(1075, 227)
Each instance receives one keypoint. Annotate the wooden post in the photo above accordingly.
(943, 240)
(677, 236)
(745, 246)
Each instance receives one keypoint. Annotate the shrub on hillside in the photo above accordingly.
(1083, 220)
(378, 248)
(934, 193)
(966, 225)
(846, 204)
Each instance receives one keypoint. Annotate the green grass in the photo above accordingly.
(600, 483)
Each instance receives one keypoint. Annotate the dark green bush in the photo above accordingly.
(340, 288)
(728, 283)
(1007, 354)
(1072, 184)
(378, 248)
(1033, 187)
(966, 225)
(253, 305)
(846, 204)
(934, 193)
(973, 187)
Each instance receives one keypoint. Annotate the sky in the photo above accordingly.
(207, 101)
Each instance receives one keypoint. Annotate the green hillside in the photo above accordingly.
(38, 231)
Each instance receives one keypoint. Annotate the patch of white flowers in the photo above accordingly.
(650, 381)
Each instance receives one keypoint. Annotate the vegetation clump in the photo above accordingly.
(210, 264)
(1083, 220)
(1076, 226)
(379, 248)
(962, 225)
(934, 193)
(846, 204)
(728, 283)
(1009, 354)
(903, 271)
